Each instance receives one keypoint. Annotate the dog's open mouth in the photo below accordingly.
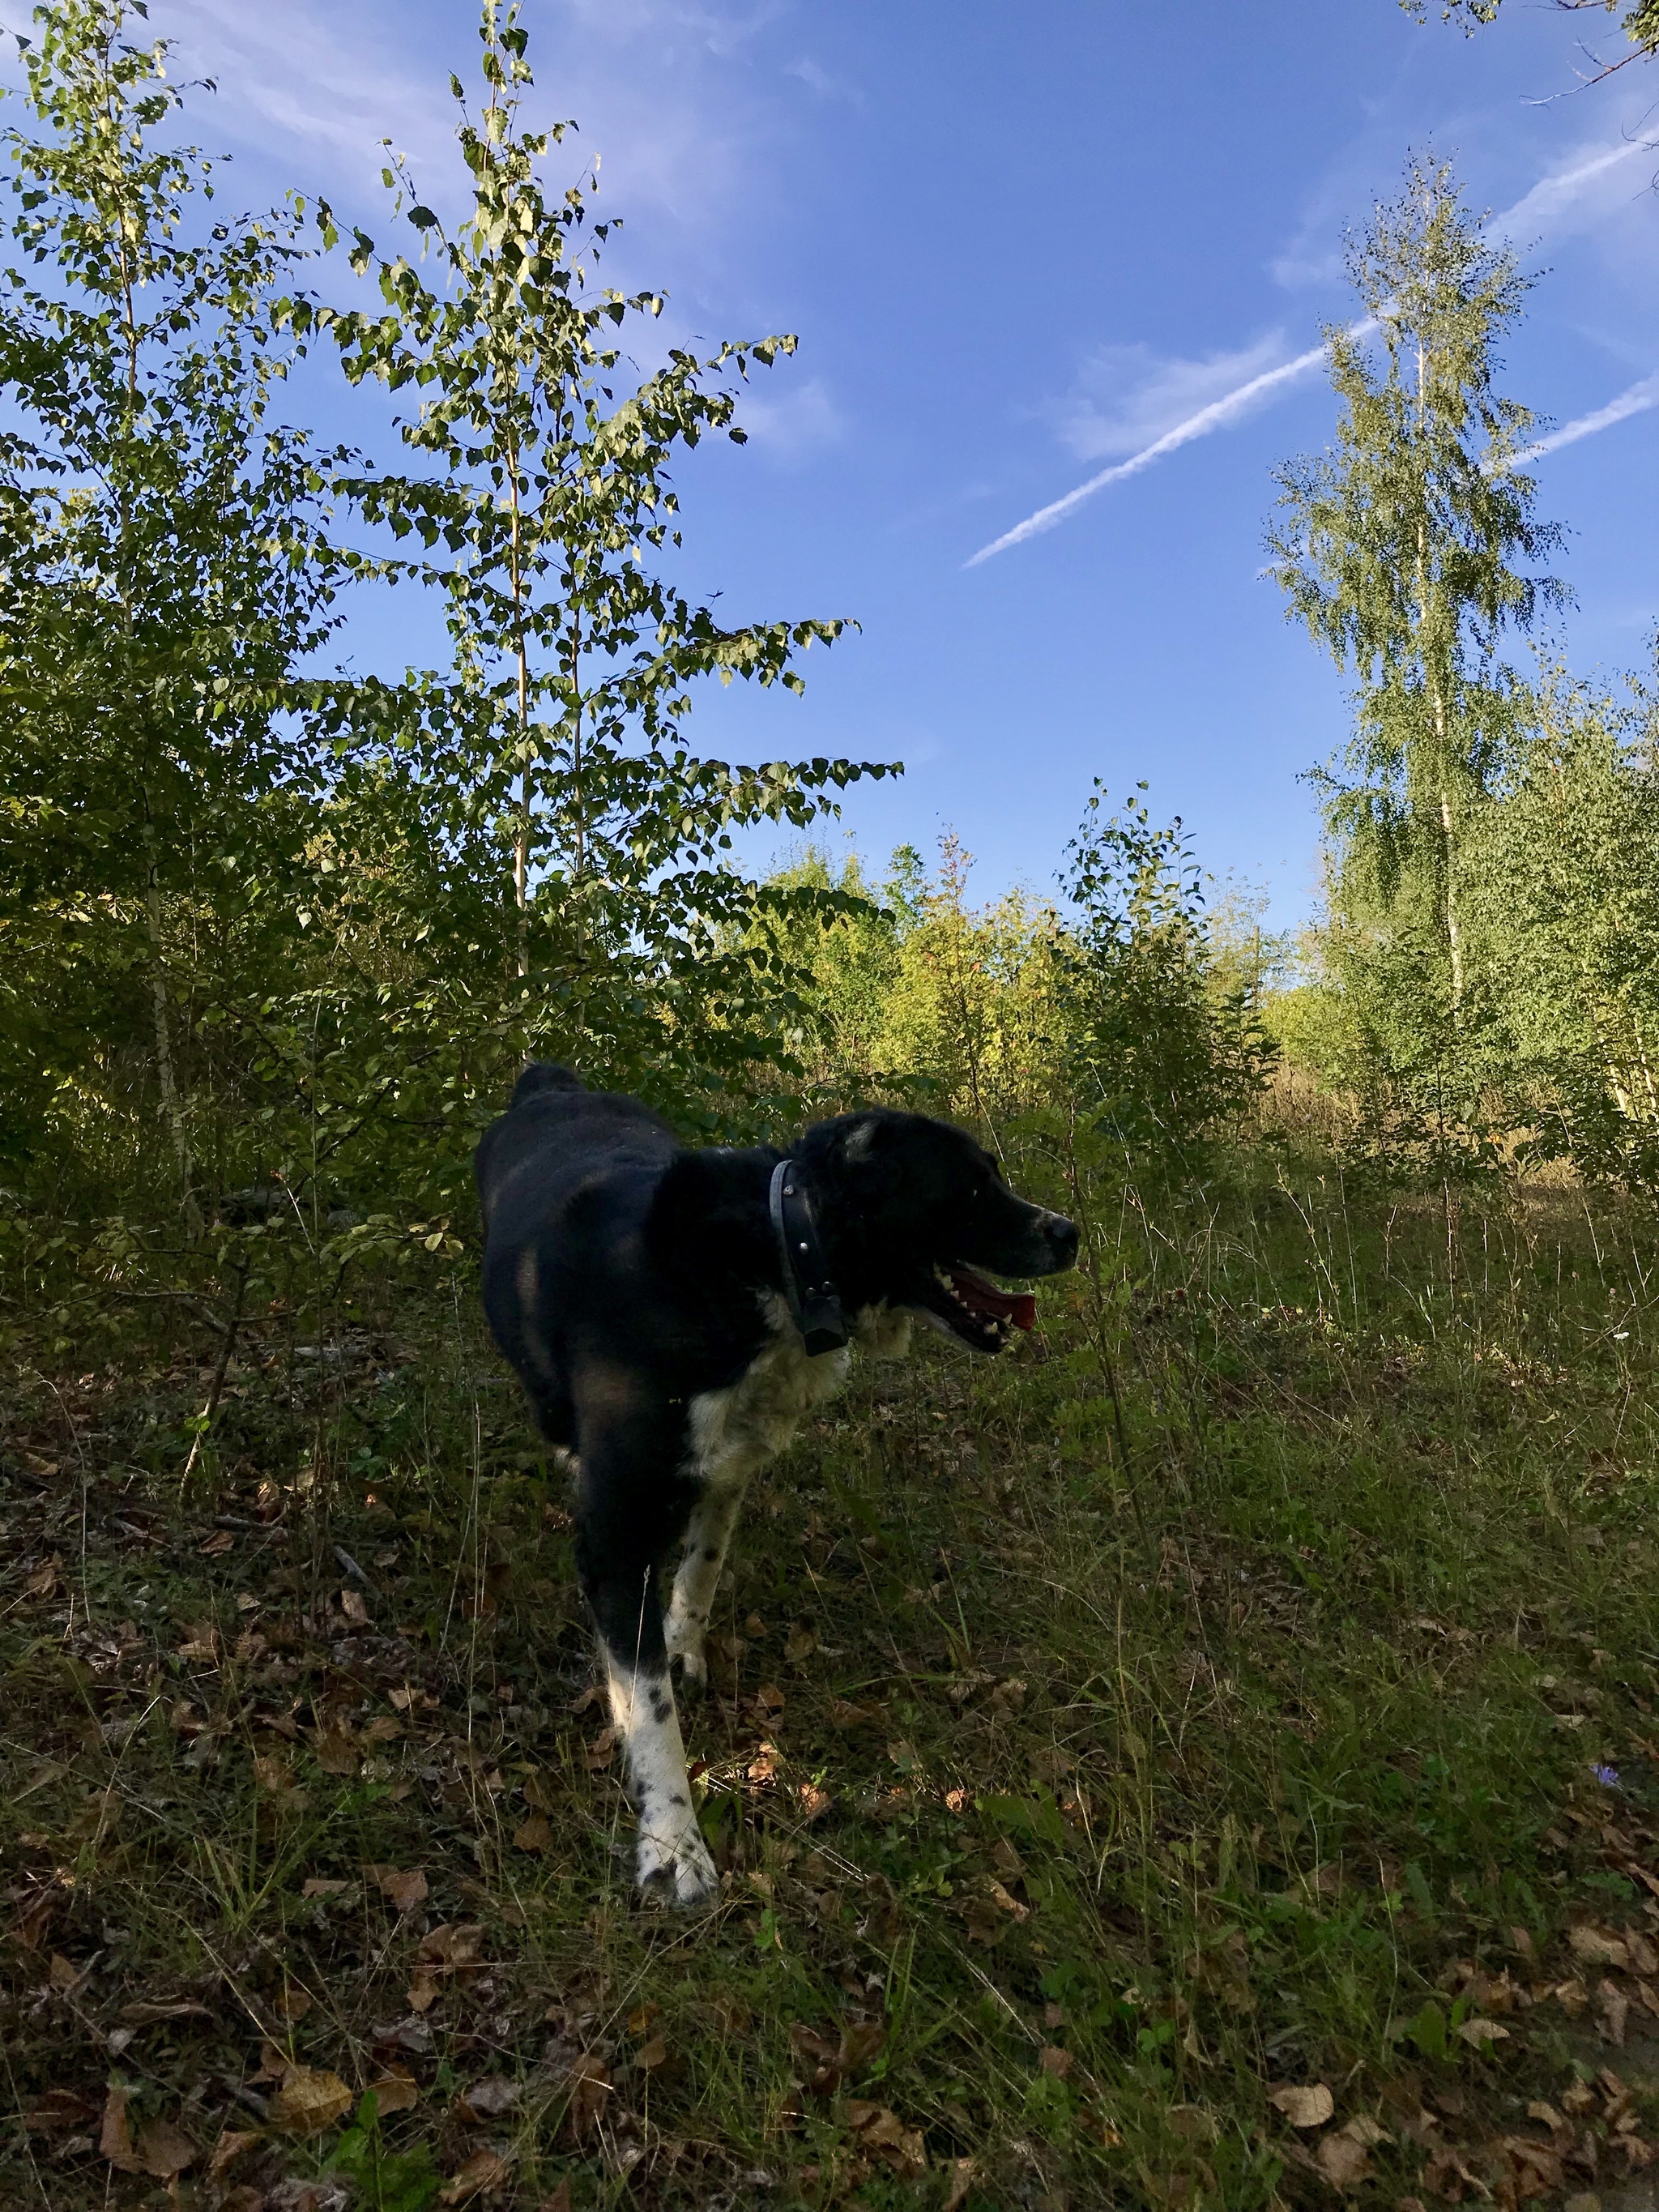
(977, 1311)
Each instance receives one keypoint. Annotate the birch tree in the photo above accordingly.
(1409, 548)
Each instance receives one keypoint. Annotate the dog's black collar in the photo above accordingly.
(814, 1301)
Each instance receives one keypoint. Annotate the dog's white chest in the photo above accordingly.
(735, 1431)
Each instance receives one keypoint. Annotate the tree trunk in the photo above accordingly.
(171, 1111)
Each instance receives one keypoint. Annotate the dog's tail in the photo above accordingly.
(545, 1075)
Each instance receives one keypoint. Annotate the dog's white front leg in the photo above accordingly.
(707, 1539)
(672, 1855)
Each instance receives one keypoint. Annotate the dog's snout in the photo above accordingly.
(1063, 1238)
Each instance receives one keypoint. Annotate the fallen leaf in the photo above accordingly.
(229, 2148)
(489, 2098)
(962, 2172)
(115, 2136)
(535, 1834)
(295, 2002)
(1613, 2006)
(596, 1755)
(1304, 2104)
(590, 2089)
(394, 2093)
(640, 2020)
(1000, 1898)
(812, 1801)
(63, 1973)
(163, 2150)
(405, 1890)
(1479, 2032)
(355, 1611)
(423, 1992)
(1344, 2162)
(881, 2130)
(216, 1545)
(769, 1699)
(799, 1644)
(485, 2169)
(316, 1886)
(1596, 1945)
(309, 2101)
(60, 2108)
(559, 2201)
(1056, 2060)
(44, 1581)
(336, 1752)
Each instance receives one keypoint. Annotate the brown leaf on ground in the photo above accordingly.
(799, 1644)
(484, 2170)
(1595, 1944)
(355, 1609)
(115, 2136)
(30, 1928)
(1480, 2034)
(1304, 2104)
(44, 1581)
(228, 2148)
(405, 1890)
(336, 1752)
(539, 1793)
(423, 1992)
(63, 1973)
(812, 1801)
(590, 2092)
(294, 2003)
(1613, 2006)
(1344, 2161)
(310, 2101)
(1055, 2060)
(535, 1834)
(597, 1755)
(60, 2108)
(559, 2201)
(650, 2056)
(164, 2150)
(881, 2132)
(962, 2172)
(316, 1886)
(833, 2060)
(395, 2093)
(1005, 1903)
(216, 1545)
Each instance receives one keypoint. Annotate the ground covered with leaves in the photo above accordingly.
(1207, 1758)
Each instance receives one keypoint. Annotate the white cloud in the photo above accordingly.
(1580, 193)
(1128, 396)
(798, 423)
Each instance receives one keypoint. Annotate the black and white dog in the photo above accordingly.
(674, 1313)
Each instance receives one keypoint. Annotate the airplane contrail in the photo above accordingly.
(1195, 426)
(1634, 401)
(1548, 193)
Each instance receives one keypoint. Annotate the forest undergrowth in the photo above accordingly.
(1206, 1757)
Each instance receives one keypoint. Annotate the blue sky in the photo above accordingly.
(1022, 245)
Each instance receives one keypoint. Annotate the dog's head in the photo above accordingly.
(910, 1209)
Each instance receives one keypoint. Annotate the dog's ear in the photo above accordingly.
(865, 1139)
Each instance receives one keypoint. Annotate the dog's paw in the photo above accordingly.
(692, 1664)
(678, 1869)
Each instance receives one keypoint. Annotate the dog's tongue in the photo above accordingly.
(980, 1297)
